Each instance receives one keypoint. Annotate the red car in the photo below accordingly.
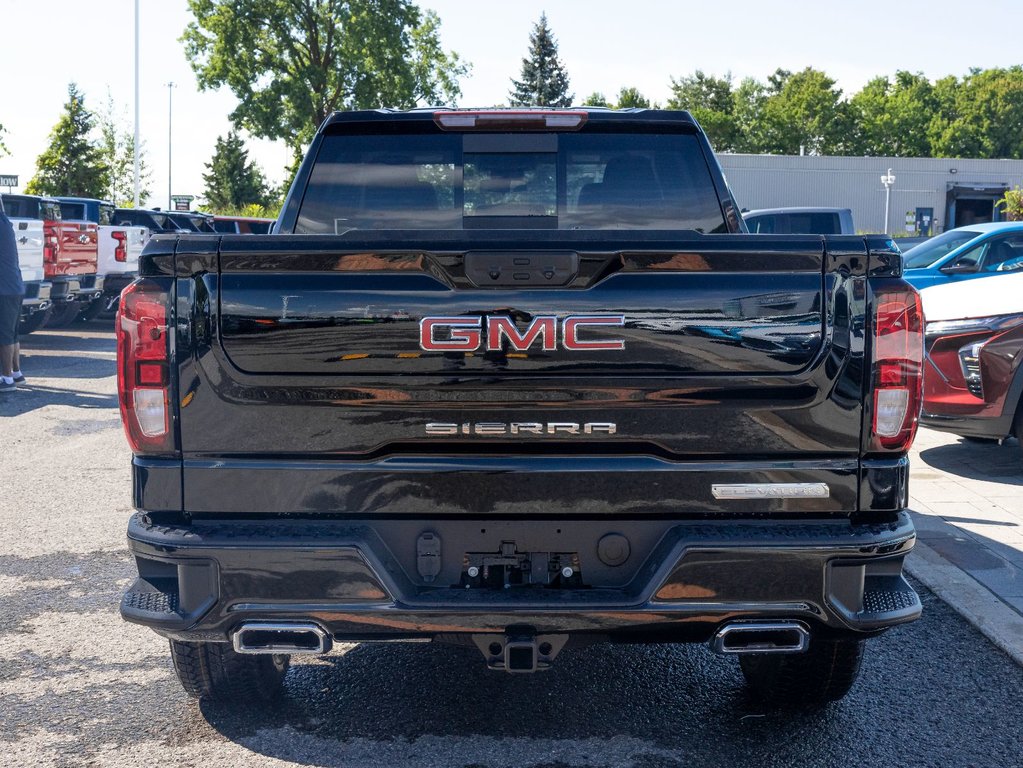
(973, 374)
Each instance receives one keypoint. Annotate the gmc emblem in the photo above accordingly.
(468, 334)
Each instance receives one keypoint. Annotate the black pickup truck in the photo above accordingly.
(518, 381)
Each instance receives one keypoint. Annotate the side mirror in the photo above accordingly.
(961, 268)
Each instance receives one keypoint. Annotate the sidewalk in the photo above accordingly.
(967, 502)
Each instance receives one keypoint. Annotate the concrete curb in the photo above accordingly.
(1002, 625)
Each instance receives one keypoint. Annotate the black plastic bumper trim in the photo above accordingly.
(344, 576)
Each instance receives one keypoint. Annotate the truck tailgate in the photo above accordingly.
(738, 363)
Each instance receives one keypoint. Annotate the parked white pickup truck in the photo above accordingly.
(28, 233)
(120, 244)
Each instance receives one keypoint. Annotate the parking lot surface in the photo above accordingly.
(80, 687)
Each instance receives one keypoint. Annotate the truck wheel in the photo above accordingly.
(825, 672)
(216, 672)
(64, 314)
(34, 322)
(92, 310)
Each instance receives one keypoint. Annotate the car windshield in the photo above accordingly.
(926, 254)
(577, 181)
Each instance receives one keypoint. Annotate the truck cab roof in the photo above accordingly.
(589, 115)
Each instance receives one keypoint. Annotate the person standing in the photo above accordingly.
(12, 289)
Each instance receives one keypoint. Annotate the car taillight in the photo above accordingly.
(121, 249)
(143, 367)
(896, 365)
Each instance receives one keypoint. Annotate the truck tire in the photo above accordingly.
(825, 672)
(92, 310)
(64, 314)
(34, 322)
(216, 672)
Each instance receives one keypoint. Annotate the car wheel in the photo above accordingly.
(824, 672)
(216, 672)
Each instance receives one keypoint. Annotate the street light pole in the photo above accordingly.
(170, 127)
(888, 181)
(135, 158)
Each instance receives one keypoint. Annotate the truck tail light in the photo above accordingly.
(510, 120)
(143, 367)
(896, 365)
(121, 249)
(51, 243)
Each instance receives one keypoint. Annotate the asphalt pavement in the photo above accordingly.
(80, 687)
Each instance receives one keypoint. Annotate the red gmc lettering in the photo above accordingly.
(465, 334)
(571, 330)
(505, 326)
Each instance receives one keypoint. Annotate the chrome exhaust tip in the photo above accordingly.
(290, 638)
(761, 637)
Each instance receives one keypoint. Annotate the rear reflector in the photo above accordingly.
(511, 120)
(143, 367)
(897, 364)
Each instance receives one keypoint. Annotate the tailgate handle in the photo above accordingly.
(504, 270)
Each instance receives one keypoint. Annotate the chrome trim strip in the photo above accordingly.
(770, 490)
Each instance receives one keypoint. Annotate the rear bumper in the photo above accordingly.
(352, 578)
(77, 288)
(114, 283)
(993, 426)
(37, 297)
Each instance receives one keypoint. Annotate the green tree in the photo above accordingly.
(544, 81)
(596, 99)
(805, 110)
(709, 99)
(291, 63)
(629, 97)
(3, 147)
(980, 116)
(747, 108)
(233, 181)
(73, 163)
(893, 116)
(118, 144)
(1011, 204)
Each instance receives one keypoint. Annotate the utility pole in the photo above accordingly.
(888, 181)
(135, 158)
(170, 133)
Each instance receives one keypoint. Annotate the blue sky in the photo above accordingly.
(604, 45)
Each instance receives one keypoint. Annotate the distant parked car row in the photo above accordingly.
(971, 282)
(77, 254)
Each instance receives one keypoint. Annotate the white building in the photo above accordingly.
(952, 192)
